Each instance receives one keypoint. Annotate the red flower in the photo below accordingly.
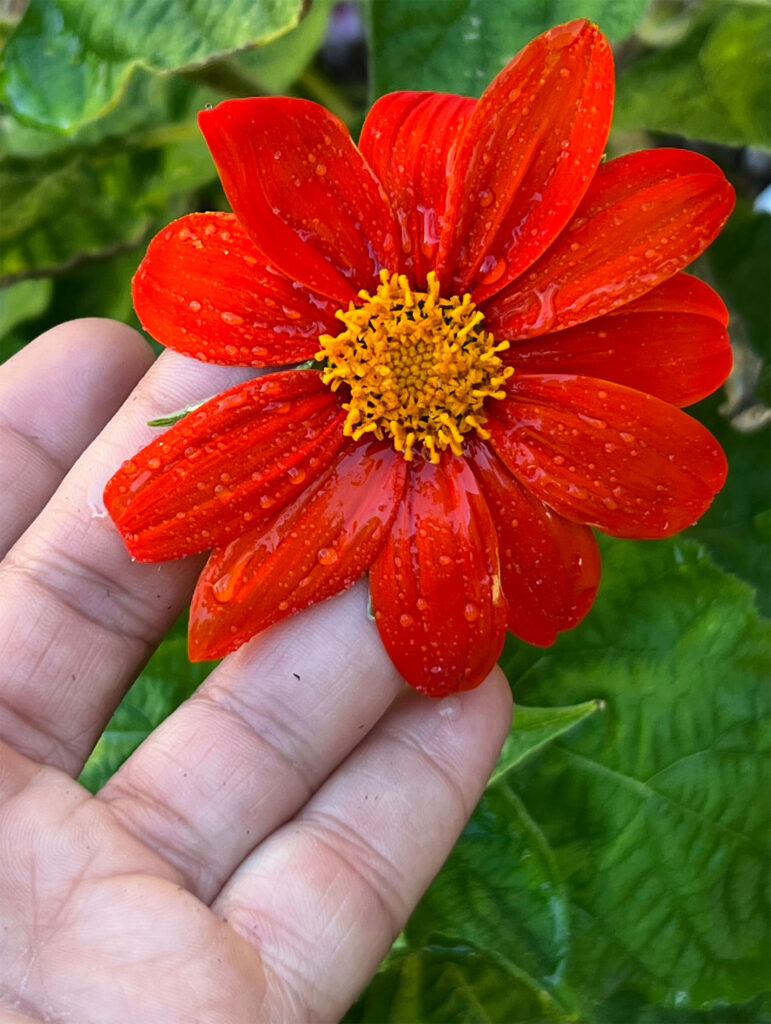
(505, 340)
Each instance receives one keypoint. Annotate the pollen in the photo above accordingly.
(419, 368)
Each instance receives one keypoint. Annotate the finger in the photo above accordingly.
(78, 619)
(256, 740)
(55, 396)
(354, 863)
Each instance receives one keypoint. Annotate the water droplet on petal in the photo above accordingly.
(231, 318)
(327, 556)
(492, 269)
(471, 612)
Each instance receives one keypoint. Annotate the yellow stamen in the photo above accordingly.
(419, 367)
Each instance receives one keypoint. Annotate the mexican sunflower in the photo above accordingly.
(481, 340)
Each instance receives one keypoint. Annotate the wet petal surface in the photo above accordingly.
(228, 465)
(313, 549)
(526, 158)
(303, 192)
(408, 139)
(550, 566)
(436, 584)
(606, 455)
(206, 290)
(644, 218)
(671, 343)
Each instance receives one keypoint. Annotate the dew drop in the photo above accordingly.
(225, 587)
(492, 269)
(486, 197)
(405, 620)
(471, 612)
(231, 318)
(194, 305)
(327, 556)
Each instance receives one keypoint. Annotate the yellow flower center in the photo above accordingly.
(419, 367)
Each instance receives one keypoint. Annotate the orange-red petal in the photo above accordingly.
(644, 218)
(304, 193)
(657, 344)
(605, 455)
(206, 290)
(550, 566)
(313, 549)
(526, 158)
(436, 584)
(408, 140)
(225, 467)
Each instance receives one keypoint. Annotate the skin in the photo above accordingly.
(255, 858)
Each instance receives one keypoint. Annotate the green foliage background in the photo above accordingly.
(616, 869)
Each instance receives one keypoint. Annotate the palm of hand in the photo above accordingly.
(256, 856)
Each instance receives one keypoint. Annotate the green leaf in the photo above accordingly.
(69, 61)
(79, 209)
(712, 85)
(460, 986)
(738, 260)
(735, 528)
(656, 811)
(533, 728)
(168, 679)
(60, 210)
(23, 301)
(460, 45)
(276, 66)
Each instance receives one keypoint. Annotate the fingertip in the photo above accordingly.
(95, 341)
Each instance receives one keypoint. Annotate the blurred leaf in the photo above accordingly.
(60, 211)
(632, 1010)
(77, 210)
(149, 101)
(460, 45)
(19, 302)
(735, 529)
(275, 67)
(712, 85)
(69, 61)
(739, 260)
(168, 679)
(452, 986)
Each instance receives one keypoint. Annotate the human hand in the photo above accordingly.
(255, 858)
